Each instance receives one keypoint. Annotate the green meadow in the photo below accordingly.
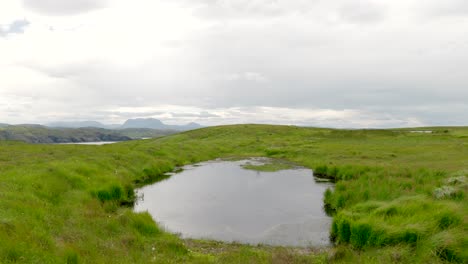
(400, 196)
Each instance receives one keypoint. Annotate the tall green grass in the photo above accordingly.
(399, 196)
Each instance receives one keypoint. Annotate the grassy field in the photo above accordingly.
(400, 196)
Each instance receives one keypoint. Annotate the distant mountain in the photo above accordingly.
(190, 126)
(144, 123)
(77, 124)
(3, 125)
(157, 124)
(150, 123)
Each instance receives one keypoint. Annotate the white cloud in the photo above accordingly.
(236, 61)
(61, 7)
(449, 8)
(245, 76)
(16, 27)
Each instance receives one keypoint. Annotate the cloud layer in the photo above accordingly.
(337, 63)
(16, 27)
(62, 8)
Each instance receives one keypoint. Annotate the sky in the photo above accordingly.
(327, 63)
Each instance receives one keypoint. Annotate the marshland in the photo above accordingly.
(397, 196)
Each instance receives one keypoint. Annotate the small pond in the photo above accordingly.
(221, 200)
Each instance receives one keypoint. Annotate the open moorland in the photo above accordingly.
(400, 196)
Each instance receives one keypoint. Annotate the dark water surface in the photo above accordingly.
(221, 200)
(89, 143)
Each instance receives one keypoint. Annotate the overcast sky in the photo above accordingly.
(334, 63)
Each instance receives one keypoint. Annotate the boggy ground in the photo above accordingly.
(400, 196)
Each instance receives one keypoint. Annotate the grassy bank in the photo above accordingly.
(400, 196)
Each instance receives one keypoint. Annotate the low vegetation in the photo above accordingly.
(270, 165)
(400, 196)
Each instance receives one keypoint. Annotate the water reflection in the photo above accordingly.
(220, 200)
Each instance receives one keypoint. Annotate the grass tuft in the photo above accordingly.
(360, 234)
(144, 224)
(448, 219)
(72, 257)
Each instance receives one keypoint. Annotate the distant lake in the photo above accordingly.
(221, 200)
(90, 143)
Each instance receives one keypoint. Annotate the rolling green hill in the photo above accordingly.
(42, 134)
(400, 197)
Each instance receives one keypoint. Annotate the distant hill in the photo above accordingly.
(43, 134)
(157, 124)
(76, 124)
(138, 133)
(190, 126)
(144, 123)
(90, 131)
(151, 123)
(80, 124)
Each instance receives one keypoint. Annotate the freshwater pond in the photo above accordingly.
(221, 200)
